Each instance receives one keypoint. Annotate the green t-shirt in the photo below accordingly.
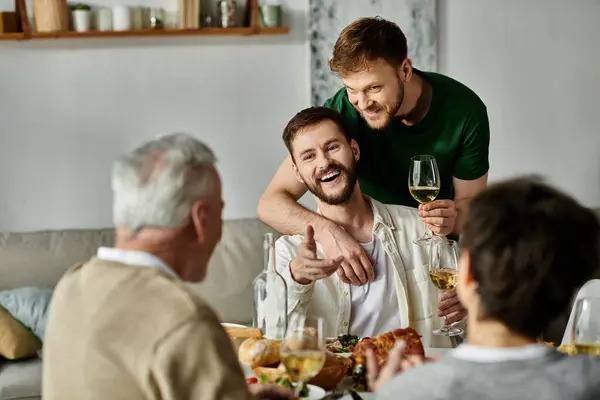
(455, 131)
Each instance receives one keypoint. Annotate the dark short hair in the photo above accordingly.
(310, 117)
(366, 40)
(531, 247)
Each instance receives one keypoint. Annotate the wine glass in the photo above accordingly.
(424, 186)
(443, 271)
(303, 349)
(586, 326)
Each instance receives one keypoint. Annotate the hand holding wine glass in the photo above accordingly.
(303, 349)
(443, 271)
(439, 216)
(586, 326)
(424, 186)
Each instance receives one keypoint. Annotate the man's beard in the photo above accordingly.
(349, 174)
(390, 110)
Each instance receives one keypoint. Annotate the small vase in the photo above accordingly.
(82, 20)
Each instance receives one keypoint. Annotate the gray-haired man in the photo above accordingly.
(124, 325)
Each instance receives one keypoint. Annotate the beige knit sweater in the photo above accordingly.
(123, 332)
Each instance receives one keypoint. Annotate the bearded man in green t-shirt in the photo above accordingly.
(394, 112)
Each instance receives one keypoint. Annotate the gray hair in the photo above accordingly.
(152, 185)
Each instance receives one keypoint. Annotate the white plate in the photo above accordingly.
(315, 393)
(227, 324)
(364, 395)
(248, 373)
(346, 355)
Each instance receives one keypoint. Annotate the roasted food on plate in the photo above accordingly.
(382, 344)
(263, 356)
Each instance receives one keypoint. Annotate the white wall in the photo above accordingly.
(69, 107)
(536, 64)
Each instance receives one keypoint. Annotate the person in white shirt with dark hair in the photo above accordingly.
(401, 295)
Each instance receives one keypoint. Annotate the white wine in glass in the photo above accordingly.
(586, 326)
(443, 278)
(303, 350)
(424, 186)
(443, 271)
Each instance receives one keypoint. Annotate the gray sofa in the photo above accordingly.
(40, 258)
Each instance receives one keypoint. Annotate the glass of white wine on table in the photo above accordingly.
(443, 271)
(586, 326)
(303, 349)
(424, 187)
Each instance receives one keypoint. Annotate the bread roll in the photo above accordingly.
(236, 332)
(259, 352)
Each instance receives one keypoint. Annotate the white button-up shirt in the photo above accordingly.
(395, 227)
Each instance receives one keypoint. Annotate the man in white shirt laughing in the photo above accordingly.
(401, 295)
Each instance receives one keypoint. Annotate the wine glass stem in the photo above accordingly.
(298, 388)
(428, 234)
(444, 326)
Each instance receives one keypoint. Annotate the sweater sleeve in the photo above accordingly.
(196, 361)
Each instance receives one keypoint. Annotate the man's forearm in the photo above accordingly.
(283, 213)
(462, 206)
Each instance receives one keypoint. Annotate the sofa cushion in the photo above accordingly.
(29, 306)
(21, 380)
(16, 341)
(40, 258)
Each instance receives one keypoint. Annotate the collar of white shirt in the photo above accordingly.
(469, 352)
(380, 213)
(135, 258)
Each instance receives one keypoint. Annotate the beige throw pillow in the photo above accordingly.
(16, 341)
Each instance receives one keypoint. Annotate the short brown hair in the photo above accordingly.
(310, 117)
(531, 247)
(366, 40)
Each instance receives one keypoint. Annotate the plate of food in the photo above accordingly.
(346, 357)
(381, 345)
(342, 345)
(308, 392)
(263, 356)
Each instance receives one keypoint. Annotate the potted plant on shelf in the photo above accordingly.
(81, 15)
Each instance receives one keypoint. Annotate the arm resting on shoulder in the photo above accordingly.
(464, 191)
(472, 167)
(278, 206)
(195, 362)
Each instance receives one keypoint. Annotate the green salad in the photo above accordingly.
(343, 343)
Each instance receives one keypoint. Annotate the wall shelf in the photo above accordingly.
(253, 30)
(245, 31)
